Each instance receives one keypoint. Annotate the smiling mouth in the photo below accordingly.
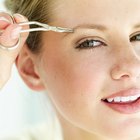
(124, 102)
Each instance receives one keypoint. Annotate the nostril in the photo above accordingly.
(120, 74)
(125, 76)
(127, 68)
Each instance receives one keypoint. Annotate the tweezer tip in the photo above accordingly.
(59, 29)
(69, 30)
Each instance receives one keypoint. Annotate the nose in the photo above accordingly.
(126, 65)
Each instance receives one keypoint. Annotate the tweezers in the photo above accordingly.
(43, 27)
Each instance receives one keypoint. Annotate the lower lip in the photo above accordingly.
(125, 108)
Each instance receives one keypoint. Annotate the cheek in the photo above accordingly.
(73, 81)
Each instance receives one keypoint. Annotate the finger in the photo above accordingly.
(18, 19)
(12, 33)
(4, 22)
(10, 36)
(7, 58)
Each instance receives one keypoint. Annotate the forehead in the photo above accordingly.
(72, 12)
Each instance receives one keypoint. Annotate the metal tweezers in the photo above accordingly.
(44, 27)
(41, 26)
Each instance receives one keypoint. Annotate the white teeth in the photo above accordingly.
(133, 98)
(117, 99)
(123, 99)
(110, 99)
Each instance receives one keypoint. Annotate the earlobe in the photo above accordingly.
(27, 71)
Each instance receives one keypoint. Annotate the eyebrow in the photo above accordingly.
(91, 26)
(137, 26)
(88, 26)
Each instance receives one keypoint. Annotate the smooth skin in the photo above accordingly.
(76, 80)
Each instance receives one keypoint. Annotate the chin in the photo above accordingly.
(125, 134)
(120, 132)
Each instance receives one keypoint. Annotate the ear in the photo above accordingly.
(27, 69)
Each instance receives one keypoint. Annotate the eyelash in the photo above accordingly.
(92, 44)
(134, 38)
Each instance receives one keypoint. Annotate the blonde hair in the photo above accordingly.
(34, 10)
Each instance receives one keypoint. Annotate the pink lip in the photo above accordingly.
(125, 93)
(124, 108)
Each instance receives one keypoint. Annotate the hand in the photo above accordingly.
(9, 38)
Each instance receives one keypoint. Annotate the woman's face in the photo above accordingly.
(100, 58)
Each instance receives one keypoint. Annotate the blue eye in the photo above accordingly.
(88, 44)
(135, 38)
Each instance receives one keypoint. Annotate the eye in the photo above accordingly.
(135, 38)
(90, 44)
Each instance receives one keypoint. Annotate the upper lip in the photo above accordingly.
(125, 93)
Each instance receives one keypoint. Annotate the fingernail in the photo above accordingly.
(4, 19)
(15, 33)
(19, 16)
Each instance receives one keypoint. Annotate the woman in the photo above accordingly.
(92, 76)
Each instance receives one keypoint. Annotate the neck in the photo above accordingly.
(72, 132)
